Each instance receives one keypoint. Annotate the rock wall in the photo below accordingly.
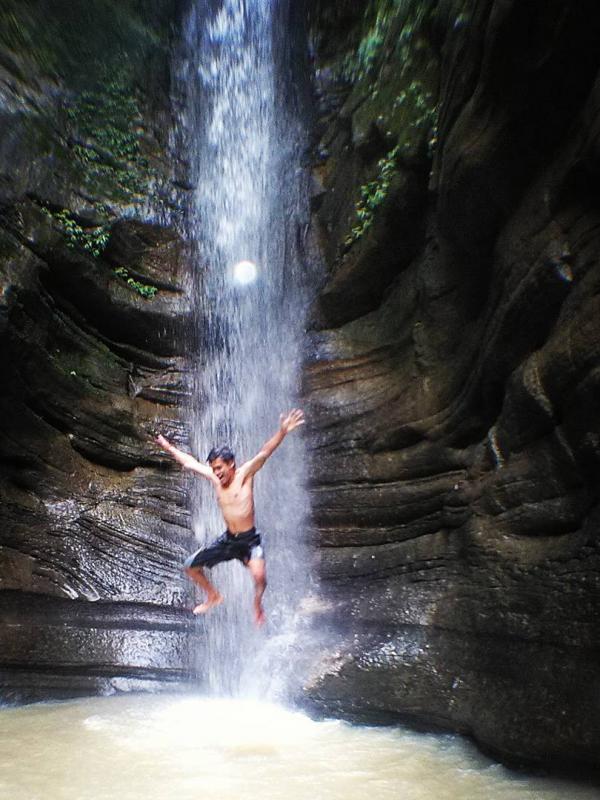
(453, 369)
(93, 315)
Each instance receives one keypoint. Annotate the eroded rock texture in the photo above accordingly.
(454, 367)
(92, 317)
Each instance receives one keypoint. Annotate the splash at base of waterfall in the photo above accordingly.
(184, 748)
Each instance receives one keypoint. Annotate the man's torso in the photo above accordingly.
(236, 502)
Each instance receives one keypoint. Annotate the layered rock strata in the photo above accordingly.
(452, 371)
(93, 320)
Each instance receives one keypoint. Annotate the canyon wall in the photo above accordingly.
(453, 369)
(93, 312)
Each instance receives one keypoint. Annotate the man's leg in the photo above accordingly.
(213, 597)
(194, 570)
(258, 571)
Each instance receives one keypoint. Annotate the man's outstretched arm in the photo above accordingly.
(287, 423)
(186, 460)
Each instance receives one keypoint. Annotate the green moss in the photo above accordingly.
(395, 76)
(104, 123)
(359, 63)
(405, 112)
(386, 25)
(398, 102)
(73, 39)
(144, 289)
(99, 51)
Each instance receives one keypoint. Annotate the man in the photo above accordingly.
(235, 495)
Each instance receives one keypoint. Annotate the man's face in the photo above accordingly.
(224, 470)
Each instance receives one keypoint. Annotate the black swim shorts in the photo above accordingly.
(243, 546)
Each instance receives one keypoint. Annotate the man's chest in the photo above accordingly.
(235, 496)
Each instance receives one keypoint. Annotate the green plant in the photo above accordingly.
(360, 62)
(372, 195)
(424, 110)
(144, 289)
(407, 15)
(107, 136)
(93, 239)
(73, 39)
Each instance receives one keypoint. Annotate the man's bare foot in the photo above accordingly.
(215, 600)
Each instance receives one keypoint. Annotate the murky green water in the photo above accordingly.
(163, 748)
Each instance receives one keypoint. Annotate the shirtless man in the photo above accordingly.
(235, 495)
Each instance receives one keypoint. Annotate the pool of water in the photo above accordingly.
(194, 748)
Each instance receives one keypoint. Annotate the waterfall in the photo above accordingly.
(243, 141)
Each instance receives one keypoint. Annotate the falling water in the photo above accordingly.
(244, 146)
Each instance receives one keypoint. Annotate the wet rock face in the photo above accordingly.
(93, 316)
(452, 370)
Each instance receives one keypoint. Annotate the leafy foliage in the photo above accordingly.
(398, 102)
(73, 39)
(372, 195)
(105, 128)
(93, 240)
(404, 16)
(424, 110)
(144, 289)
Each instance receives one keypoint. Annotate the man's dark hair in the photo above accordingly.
(225, 452)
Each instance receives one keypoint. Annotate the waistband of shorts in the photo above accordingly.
(250, 532)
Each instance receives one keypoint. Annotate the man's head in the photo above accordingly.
(222, 462)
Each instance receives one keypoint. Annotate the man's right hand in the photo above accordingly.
(288, 422)
(160, 439)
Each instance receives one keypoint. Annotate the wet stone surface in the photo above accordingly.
(450, 373)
